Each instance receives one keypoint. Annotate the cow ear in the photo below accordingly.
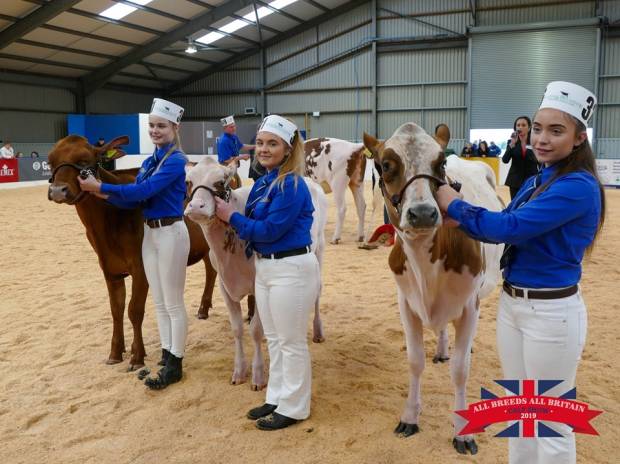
(442, 135)
(371, 144)
(111, 151)
(188, 167)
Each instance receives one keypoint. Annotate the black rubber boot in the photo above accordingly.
(275, 422)
(170, 373)
(164, 357)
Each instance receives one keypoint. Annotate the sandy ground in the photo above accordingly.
(59, 403)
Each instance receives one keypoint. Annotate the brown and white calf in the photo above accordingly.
(227, 251)
(441, 274)
(339, 163)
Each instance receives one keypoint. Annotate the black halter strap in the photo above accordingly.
(397, 199)
(84, 172)
(223, 194)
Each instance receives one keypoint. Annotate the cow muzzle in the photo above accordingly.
(422, 216)
(58, 193)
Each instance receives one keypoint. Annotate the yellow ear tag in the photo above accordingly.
(367, 153)
(110, 153)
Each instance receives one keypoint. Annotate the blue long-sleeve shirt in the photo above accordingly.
(281, 217)
(550, 233)
(228, 146)
(160, 194)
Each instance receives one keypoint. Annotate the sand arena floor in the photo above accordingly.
(59, 402)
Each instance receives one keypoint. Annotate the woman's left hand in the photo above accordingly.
(223, 210)
(90, 184)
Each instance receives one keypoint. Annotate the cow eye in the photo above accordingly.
(385, 166)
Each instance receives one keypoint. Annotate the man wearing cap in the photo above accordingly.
(552, 221)
(229, 145)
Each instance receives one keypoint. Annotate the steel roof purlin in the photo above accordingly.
(35, 19)
(97, 78)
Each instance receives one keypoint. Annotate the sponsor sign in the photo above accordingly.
(609, 171)
(9, 170)
(34, 169)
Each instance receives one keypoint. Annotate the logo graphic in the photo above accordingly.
(36, 166)
(528, 407)
(6, 171)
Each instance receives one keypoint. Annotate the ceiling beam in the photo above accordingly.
(96, 79)
(236, 16)
(317, 5)
(281, 12)
(33, 20)
(274, 40)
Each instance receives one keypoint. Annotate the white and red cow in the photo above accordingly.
(236, 272)
(441, 274)
(339, 163)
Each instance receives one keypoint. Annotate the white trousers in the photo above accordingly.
(286, 290)
(164, 253)
(542, 340)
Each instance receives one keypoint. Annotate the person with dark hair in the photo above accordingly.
(551, 223)
(483, 149)
(519, 151)
(34, 154)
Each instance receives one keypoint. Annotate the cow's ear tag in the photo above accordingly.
(110, 153)
(367, 153)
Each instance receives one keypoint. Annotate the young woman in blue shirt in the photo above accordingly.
(160, 191)
(276, 225)
(547, 228)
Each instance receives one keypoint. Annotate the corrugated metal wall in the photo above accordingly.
(330, 68)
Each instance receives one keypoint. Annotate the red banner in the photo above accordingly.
(8, 170)
(528, 408)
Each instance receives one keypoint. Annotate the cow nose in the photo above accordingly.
(57, 192)
(422, 216)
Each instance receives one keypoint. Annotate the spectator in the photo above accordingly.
(524, 164)
(34, 154)
(19, 154)
(7, 151)
(483, 149)
(467, 151)
(494, 150)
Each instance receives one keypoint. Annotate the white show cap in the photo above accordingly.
(570, 98)
(227, 121)
(280, 126)
(167, 110)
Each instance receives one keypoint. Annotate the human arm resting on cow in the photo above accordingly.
(564, 200)
(283, 211)
(170, 170)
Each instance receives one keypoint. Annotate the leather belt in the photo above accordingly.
(540, 294)
(285, 254)
(162, 222)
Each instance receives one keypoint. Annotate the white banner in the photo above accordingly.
(609, 171)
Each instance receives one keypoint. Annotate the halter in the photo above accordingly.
(84, 172)
(223, 194)
(397, 199)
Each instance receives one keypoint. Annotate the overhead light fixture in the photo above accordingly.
(238, 24)
(121, 10)
(191, 48)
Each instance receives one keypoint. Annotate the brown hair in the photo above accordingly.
(582, 159)
(294, 161)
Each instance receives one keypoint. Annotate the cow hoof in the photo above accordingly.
(235, 381)
(406, 430)
(440, 359)
(318, 339)
(111, 361)
(360, 238)
(256, 387)
(201, 314)
(462, 447)
(134, 367)
(335, 241)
